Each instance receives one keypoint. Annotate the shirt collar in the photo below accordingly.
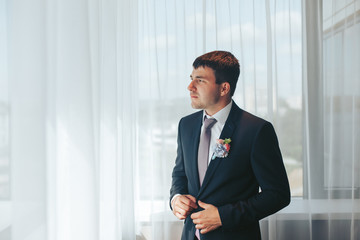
(221, 115)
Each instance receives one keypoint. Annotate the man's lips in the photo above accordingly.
(193, 96)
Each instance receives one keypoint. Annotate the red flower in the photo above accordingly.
(227, 146)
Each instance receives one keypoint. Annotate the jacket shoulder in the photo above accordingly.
(253, 123)
(248, 118)
(191, 117)
(255, 120)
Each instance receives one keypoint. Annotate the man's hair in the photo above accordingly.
(225, 65)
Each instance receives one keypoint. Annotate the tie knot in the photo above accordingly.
(209, 122)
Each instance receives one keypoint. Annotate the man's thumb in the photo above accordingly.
(203, 205)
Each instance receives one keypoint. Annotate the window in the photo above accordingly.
(335, 116)
(266, 39)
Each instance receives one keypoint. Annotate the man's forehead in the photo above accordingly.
(203, 73)
(202, 70)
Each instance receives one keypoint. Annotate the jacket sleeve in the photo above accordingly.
(269, 171)
(179, 179)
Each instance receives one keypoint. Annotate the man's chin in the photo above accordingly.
(196, 106)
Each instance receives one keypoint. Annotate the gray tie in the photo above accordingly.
(204, 144)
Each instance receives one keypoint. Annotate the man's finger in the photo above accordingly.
(181, 211)
(195, 215)
(208, 229)
(183, 206)
(189, 200)
(179, 216)
(196, 221)
(199, 226)
(204, 205)
(203, 231)
(193, 200)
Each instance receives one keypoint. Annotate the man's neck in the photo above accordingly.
(220, 106)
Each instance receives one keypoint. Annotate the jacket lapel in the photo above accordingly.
(194, 153)
(227, 132)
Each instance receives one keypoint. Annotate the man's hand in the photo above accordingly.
(183, 205)
(208, 219)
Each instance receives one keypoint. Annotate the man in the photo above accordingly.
(222, 199)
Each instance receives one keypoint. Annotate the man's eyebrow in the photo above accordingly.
(197, 77)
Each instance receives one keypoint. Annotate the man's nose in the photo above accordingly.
(191, 86)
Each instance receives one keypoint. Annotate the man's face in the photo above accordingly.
(204, 92)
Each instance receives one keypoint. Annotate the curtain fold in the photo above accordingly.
(331, 93)
(91, 93)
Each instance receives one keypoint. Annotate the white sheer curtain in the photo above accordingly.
(69, 88)
(332, 97)
(91, 93)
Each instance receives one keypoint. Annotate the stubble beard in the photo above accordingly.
(196, 105)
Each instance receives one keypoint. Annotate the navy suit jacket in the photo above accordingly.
(232, 183)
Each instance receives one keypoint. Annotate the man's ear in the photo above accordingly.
(225, 88)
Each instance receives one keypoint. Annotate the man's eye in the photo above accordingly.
(200, 80)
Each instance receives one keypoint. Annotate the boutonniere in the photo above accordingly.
(221, 148)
